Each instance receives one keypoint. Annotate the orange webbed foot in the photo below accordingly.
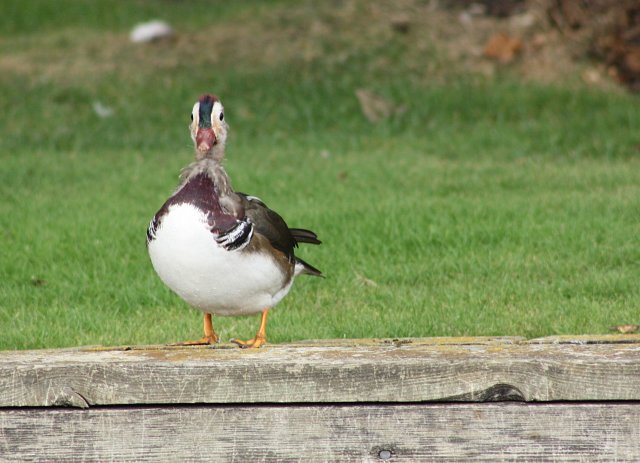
(261, 336)
(210, 336)
(254, 343)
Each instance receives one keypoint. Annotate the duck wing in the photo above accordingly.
(269, 224)
(273, 227)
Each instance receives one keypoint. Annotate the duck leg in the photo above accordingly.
(261, 335)
(210, 336)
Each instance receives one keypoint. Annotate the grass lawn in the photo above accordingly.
(486, 207)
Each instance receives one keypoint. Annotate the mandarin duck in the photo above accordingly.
(223, 252)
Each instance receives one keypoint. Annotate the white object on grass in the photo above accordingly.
(150, 31)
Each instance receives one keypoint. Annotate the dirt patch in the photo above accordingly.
(607, 31)
(544, 40)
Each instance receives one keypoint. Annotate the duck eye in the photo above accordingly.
(191, 117)
(221, 116)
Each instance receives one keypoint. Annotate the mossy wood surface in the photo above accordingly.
(437, 399)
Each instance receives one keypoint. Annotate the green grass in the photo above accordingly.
(486, 208)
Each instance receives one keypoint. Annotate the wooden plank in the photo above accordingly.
(588, 339)
(368, 371)
(433, 341)
(505, 432)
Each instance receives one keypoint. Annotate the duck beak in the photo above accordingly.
(205, 139)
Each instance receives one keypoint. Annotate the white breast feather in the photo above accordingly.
(189, 261)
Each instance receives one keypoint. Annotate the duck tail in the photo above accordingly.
(302, 235)
(306, 269)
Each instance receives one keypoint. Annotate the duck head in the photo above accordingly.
(208, 127)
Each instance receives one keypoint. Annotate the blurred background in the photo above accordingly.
(472, 167)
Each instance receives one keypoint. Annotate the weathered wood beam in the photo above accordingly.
(404, 370)
(505, 432)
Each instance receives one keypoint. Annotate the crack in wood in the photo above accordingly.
(497, 393)
(68, 397)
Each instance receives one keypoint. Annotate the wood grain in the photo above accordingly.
(506, 432)
(409, 370)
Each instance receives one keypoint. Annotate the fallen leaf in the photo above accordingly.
(632, 60)
(376, 108)
(35, 281)
(364, 280)
(625, 329)
(102, 110)
(502, 47)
